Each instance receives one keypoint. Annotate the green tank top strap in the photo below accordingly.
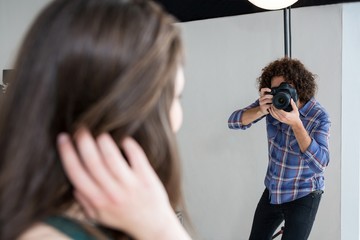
(69, 227)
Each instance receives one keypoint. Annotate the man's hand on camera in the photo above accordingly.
(290, 118)
(265, 100)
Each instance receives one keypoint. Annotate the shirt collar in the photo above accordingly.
(305, 110)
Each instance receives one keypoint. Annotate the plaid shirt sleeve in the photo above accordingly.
(317, 154)
(234, 121)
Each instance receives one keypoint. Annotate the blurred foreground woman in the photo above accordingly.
(101, 79)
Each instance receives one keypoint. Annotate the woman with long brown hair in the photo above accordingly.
(110, 69)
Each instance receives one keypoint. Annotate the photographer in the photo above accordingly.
(298, 132)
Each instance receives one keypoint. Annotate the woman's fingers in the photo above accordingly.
(113, 159)
(138, 191)
(93, 160)
(99, 168)
(137, 159)
(74, 168)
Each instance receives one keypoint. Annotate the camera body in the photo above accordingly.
(282, 96)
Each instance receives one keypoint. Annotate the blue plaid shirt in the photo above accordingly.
(292, 174)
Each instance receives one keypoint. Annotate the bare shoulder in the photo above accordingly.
(42, 231)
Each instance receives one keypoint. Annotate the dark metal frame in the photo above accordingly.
(287, 32)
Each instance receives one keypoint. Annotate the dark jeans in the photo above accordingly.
(299, 216)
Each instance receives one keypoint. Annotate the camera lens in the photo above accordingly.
(281, 100)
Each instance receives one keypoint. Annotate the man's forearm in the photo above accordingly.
(302, 136)
(251, 115)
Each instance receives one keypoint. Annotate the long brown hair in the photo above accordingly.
(109, 65)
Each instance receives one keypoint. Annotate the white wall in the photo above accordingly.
(225, 169)
(350, 123)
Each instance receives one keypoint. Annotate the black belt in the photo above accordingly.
(319, 192)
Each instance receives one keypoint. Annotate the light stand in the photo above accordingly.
(275, 5)
(287, 32)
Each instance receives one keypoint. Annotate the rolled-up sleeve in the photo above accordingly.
(317, 154)
(234, 121)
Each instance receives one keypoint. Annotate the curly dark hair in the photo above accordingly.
(294, 72)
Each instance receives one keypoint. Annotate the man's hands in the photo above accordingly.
(265, 100)
(290, 118)
(129, 198)
(265, 106)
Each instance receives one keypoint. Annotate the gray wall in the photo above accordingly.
(15, 17)
(224, 169)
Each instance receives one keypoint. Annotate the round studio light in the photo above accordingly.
(273, 4)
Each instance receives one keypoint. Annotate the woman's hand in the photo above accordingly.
(129, 198)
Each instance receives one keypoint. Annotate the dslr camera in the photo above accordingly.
(282, 96)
